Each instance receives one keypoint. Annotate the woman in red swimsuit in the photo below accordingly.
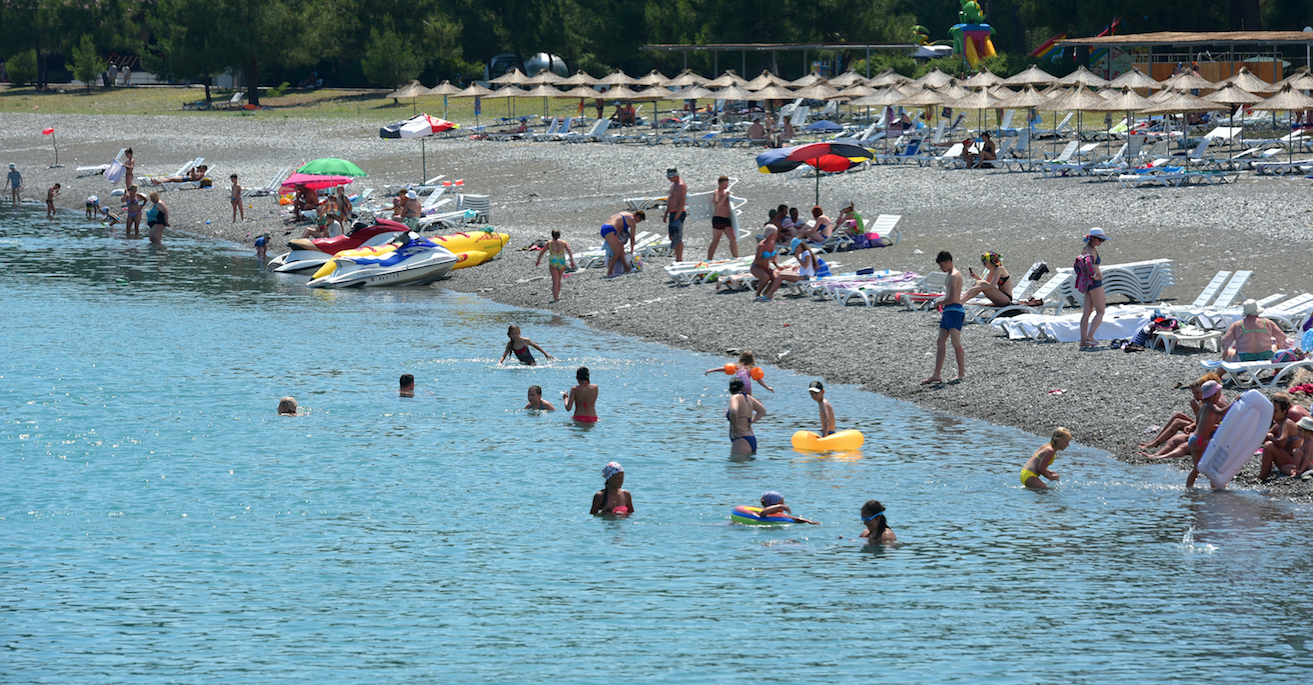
(582, 398)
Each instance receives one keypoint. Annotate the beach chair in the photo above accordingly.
(689, 273)
(873, 295)
(951, 157)
(553, 127)
(1058, 131)
(182, 171)
(1292, 313)
(1249, 374)
(272, 187)
(982, 310)
(594, 134)
(235, 102)
(909, 152)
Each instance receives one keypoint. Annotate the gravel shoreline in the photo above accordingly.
(1109, 397)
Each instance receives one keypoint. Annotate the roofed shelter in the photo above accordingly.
(1254, 48)
(744, 48)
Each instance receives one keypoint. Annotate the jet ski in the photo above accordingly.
(416, 261)
(308, 254)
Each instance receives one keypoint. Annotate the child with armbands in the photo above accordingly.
(1043, 458)
(612, 499)
(772, 505)
(746, 369)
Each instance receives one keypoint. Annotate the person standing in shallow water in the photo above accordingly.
(582, 398)
(520, 346)
(407, 388)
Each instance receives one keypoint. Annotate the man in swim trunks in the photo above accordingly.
(235, 197)
(950, 324)
(615, 231)
(676, 203)
(50, 201)
(817, 391)
(407, 386)
(721, 224)
(1252, 339)
(582, 398)
(1042, 459)
(744, 410)
(15, 181)
(1210, 417)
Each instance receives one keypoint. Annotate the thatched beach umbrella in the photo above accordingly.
(411, 90)
(980, 100)
(846, 79)
(1080, 100)
(888, 77)
(1031, 76)
(1124, 100)
(580, 78)
(583, 92)
(1178, 102)
(725, 80)
(543, 91)
(513, 77)
(1300, 80)
(934, 79)
(652, 78)
(984, 79)
(1083, 77)
(734, 93)
(1233, 96)
(765, 79)
(474, 91)
(1028, 99)
(655, 94)
(1136, 79)
(1288, 99)
(617, 78)
(546, 77)
(685, 78)
(819, 91)
(620, 93)
(507, 93)
(697, 93)
(806, 81)
(1245, 80)
(857, 90)
(445, 89)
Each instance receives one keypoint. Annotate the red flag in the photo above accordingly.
(48, 131)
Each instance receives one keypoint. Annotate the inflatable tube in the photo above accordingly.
(1241, 433)
(748, 516)
(843, 441)
(492, 243)
(465, 260)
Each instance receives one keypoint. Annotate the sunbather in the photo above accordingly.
(1283, 441)
(1251, 338)
(849, 220)
(1304, 455)
(1180, 425)
(988, 152)
(809, 265)
(1210, 417)
(196, 174)
(997, 283)
(305, 199)
(764, 266)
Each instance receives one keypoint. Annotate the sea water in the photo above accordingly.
(160, 524)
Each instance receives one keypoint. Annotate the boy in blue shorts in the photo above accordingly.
(950, 325)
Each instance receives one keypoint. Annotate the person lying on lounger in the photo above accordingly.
(1252, 339)
(192, 176)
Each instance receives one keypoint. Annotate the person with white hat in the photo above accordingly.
(1304, 455)
(410, 211)
(1089, 280)
(1252, 339)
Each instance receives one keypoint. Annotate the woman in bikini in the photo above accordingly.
(1281, 449)
(129, 167)
(809, 266)
(997, 283)
(613, 499)
(557, 249)
(615, 231)
(582, 398)
(157, 219)
(761, 266)
(132, 203)
(744, 410)
(1095, 300)
(520, 346)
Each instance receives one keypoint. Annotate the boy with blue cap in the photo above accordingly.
(772, 505)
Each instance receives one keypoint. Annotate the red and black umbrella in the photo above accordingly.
(419, 126)
(827, 157)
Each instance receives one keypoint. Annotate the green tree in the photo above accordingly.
(22, 68)
(88, 65)
(190, 41)
(389, 60)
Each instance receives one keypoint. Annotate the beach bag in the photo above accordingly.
(822, 269)
(1084, 268)
(874, 240)
(1286, 356)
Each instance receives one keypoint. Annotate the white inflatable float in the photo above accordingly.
(1241, 433)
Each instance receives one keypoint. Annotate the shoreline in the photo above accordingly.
(1109, 397)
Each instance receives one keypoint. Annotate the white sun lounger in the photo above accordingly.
(1247, 374)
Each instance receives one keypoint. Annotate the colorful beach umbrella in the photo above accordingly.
(419, 126)
(315, 181)
(829, 157)
(332, 166)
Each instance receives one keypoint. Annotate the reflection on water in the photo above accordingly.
(159, 524)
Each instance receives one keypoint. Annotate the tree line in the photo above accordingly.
(385, 42)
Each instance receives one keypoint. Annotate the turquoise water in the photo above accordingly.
(159, 524)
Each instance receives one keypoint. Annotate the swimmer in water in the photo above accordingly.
(744, 410)
(877, 525)
(407, 386)
(1042, 459)
(772, 504)
(520, 346)
(612, 499)
(536, 401)
(582, 398)
(287, 407)
(747, 364)
(817, 391)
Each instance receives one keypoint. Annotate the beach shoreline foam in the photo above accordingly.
(1109, 398)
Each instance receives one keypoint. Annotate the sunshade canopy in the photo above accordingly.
(332, 166)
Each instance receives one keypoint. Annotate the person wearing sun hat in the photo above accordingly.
(612, 499)
(1089, 280)
(1211, 411)
(1252, 339)
(410, 211)
(1304, 455)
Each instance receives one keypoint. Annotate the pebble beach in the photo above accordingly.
(1108, 398)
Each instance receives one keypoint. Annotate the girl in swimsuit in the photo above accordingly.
(743, 370)
(612, 499)
(1095, 299)
(877, 524)
(157, 218)
(557, 249)
(997, 284)
(520, 346)
(1043, 458)
(744, 410)
(1283, 441)
(129, 166)
(582, 398)
(761, 266)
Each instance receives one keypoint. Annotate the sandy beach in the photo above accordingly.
(1109, 397)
